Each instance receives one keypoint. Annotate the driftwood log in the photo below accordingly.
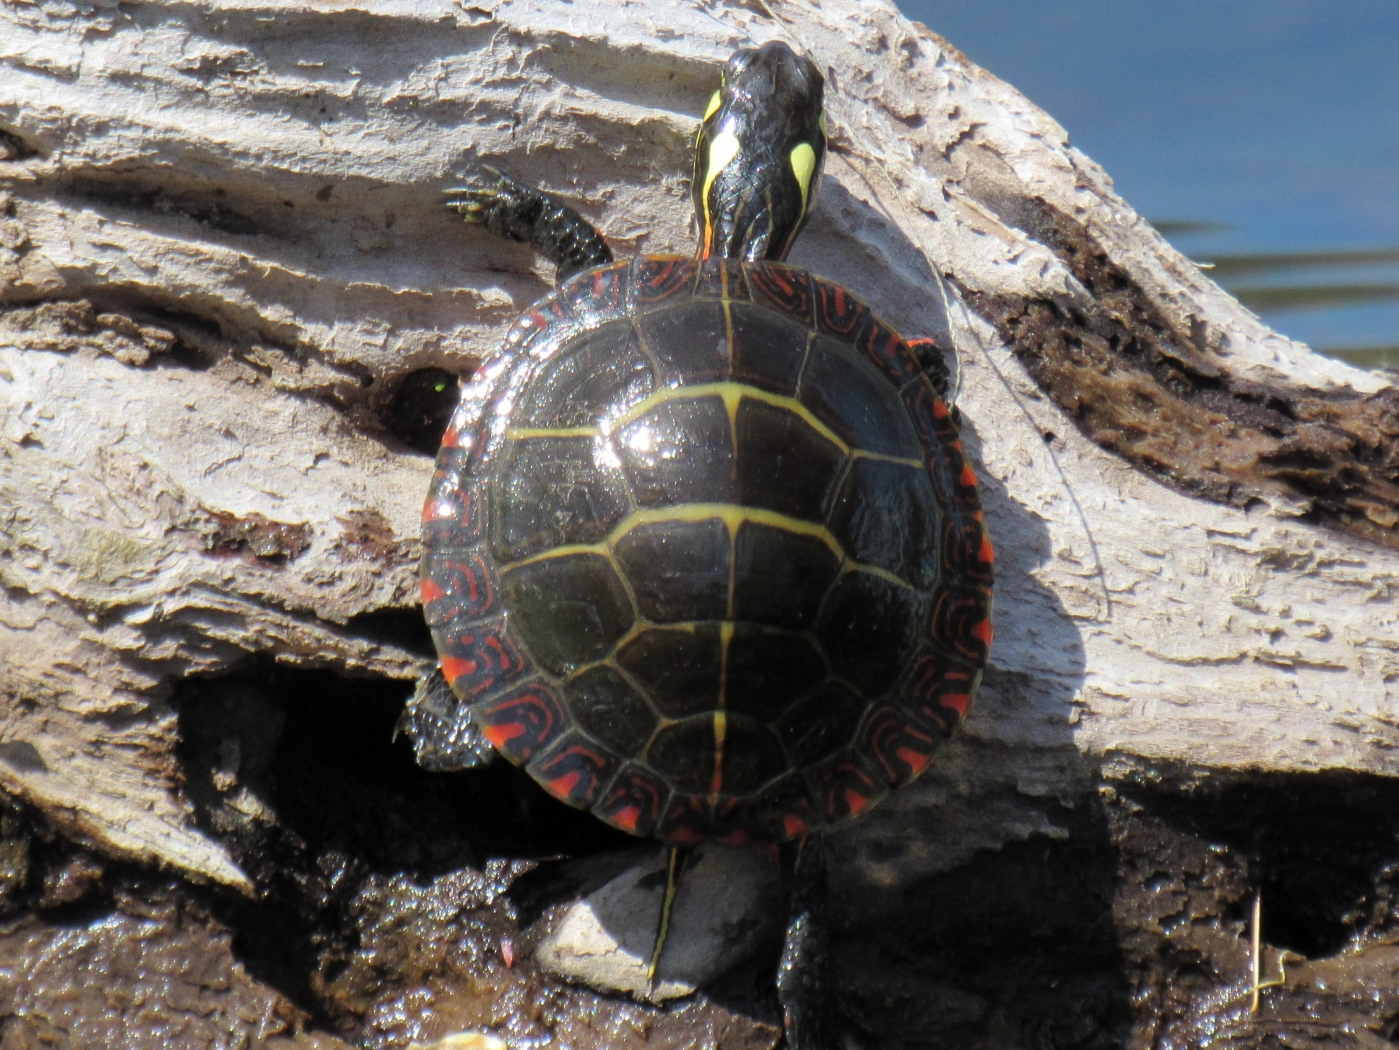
(223, 259)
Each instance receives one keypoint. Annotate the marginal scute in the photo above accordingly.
(899, 747)
(479, 658)
(634, 799)
(570, 609)
(846, 786)
(575, 770)
(598, 295)
(785, 288)
(458, 586)
(522, 721)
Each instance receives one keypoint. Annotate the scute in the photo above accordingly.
(690, 342)
(678, 570)
(886, 515)
(679, 452)
(784, 464)
(551, 492)
(570, 609)
(602, 371)
(678, 666)
(610, 710)
(866, 627)
(849, 395)
(780, 576)
(769, 348)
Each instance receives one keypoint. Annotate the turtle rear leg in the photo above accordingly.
(521, 213)
(444, 736)
(803, 983)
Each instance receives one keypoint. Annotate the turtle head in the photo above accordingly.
(758, 154)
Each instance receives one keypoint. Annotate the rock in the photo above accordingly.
(726, 907)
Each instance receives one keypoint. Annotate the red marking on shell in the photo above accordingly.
(522, 721)
(840, 779)
(633, 802)
(936, 688)
(483, 658)
(787, 289)
(934, 429)
(966, 552)
(855, 802)
(900, 748)
(562, 787)
(961, 621)
(968, 476)
(465, 584)
(451, 515)
(915, 760)
(838, 311)
(429, 591)
(956, 702)
(686, 822)
(501, 735)
(888, 352)
(574, 771)
(657, 277)
(793, 826)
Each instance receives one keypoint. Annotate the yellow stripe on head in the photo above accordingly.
(803, 161)
(714, 103)
(723, 148)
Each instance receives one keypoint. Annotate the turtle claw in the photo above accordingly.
(486, 200)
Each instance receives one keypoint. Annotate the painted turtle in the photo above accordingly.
(703, 553)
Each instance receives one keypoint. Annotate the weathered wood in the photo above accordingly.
(222, 248)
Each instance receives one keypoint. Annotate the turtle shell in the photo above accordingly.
(703, 553)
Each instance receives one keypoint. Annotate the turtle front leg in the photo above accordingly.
(444, 736)
(520, 213)
(803, 985)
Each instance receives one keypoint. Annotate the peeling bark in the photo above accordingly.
(223, 258)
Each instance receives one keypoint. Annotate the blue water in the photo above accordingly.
(1242, 127)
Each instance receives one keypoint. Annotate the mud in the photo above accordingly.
(395, 906)
(1167, 401)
